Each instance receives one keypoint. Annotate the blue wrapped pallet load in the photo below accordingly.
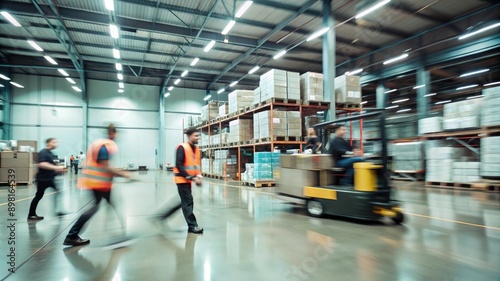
(265, 164)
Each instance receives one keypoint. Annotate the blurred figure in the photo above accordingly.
(71, 160)
(344, 156)
(75, 164)
(98, 177)
(313, 143)
(82, 159)
(47, 171)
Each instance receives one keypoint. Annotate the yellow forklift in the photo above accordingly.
(369, 198)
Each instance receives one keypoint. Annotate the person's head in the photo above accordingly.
(340, 131)
(81, 152)
(71, 155)
(193, 135)
(51, 143)
(111, 131)
(311, 132)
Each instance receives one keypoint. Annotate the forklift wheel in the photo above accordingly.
(314, 208)
(399, 218)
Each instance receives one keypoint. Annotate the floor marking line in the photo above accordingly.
(27, 198)
(454, 221)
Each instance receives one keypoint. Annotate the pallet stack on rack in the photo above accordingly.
(19, 162)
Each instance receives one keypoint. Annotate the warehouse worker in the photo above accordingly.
(71, 160)
(75, 164)
(97, 176)
(47, 171)
(343, 155)
(187, 170)
(82, 159)
(313, 143)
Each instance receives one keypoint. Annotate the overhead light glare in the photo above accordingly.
(400, 101)
(279, 55)
(17, 85)
(120, 90)
(418, 87)
(430, 95)
(318, 33)
(491, 84)
(116, 53)
(354, 72)
(195, 61)
(63, 72)
(243, 9)
(170, 88)
(467, 87)
(233, 84)
(109, 4)
(76, 89)
(254, 69)
(120, 76)
(228, 27)
(121, 85)
(479, 31)
(474, 72)
(11, 19)
(364, 102)
(4, 77)
(403, 110)
(474, 97)
(166, 95)
(390, 91)
(209, 46)
(372, 8)
(113, 30)
(35, 45)
(70, 80)
(51, 60)
(392, 107)
(177, 81)
(1, 86)
(207, 97)
(184, 73)
(401, 57)
(445, 101)
(118, 66)
(221, 91)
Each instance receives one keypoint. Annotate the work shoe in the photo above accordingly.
(196, 229)
(35, 218)
(60, 214)
(75, 241)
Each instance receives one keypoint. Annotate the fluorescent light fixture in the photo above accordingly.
(430, 95)
(120, 90)
(166, 95)
(113, 30)
(121, 85)
(479, 31)
(491, 84)
(118, 66)
(364, 102)
(418, 87)
(63, 72)
(209, 46)
(354, 72)
(1, 86)
(467, 87)
(221, 91)
(70, 80)
(207, 97)
(320, 112)
(76, 89)
(279, 55)
(318, 33)
(184, 73)
(233, 84)
(109, 4)
(120, 76)
(392, 107)
(445, 101)
(390, 91)
(243, 9)
(170, 88)
(116, 53)
(228, 27)
(10, 18)
(403, 110)
(372, 8)
(401, 57)
(474, 72)
(4, 77)
(400, 101)
(35, 45)
(17, 85)
(195, 61)
(177, 81)
(474, 97)
(254, 69)
(51, 60)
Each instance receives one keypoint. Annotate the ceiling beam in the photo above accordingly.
(402, 7)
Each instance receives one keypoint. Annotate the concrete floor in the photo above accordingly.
(252, 235)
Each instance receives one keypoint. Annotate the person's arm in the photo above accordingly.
(49, 166)
(103, 159)
(179, 162)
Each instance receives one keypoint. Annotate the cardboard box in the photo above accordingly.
(223, 110)
(22, 175)
(30, 143)
(306, 162)
(9, 159)
(347, 89)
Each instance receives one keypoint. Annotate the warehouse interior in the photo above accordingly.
(252, 77)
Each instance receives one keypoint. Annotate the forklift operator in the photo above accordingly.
(344, 156)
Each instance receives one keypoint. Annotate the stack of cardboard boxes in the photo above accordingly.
(209, 112)
(489, 113)
(462, 114)
(347, 89)
(278, 84)
(263, 123)
(20, 164)
(240, 130)
(223, 110)
(265, 164)
(490, 157)
(206, 166)
(225, 164)
(240, 99)
(293, 85)
(408, 157)
(311, 87)
(430, 125)
(294, 123)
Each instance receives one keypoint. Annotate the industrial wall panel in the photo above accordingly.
(173, 137)
(123, 118)
(70, 140)
(25, 133)
(188, 100)
(61, 116)
(24, 114)
(28, 94)
(174, 120)
(105, 94)
(59, 91)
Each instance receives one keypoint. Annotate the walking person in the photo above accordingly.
(98, 177)
(313, 143)
(47, 171)
(75, 164)
(71, 160)
(187, 170)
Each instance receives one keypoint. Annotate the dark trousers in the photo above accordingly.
(187, 203)
(71, 165)
(348, 165)
(80, 223)
(41, 186)
(75, 166)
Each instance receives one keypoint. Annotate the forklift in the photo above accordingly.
(369, 198)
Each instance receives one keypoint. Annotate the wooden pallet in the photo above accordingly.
(278, 100)
(267, 183)
(276, 138)
(483, 185)
(487, 185)
(348, 106)
(317, 103)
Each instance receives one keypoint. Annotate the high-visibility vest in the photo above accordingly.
(95, 175)
(192, 163)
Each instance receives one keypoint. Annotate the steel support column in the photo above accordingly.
(6, 97)
(85, 112)
(423, 78)
(161, 132)
(381, 96)
(329, 59)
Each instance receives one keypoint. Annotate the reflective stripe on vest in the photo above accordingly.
(192, 163)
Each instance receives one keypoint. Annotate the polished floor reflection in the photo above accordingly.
(250, 234)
